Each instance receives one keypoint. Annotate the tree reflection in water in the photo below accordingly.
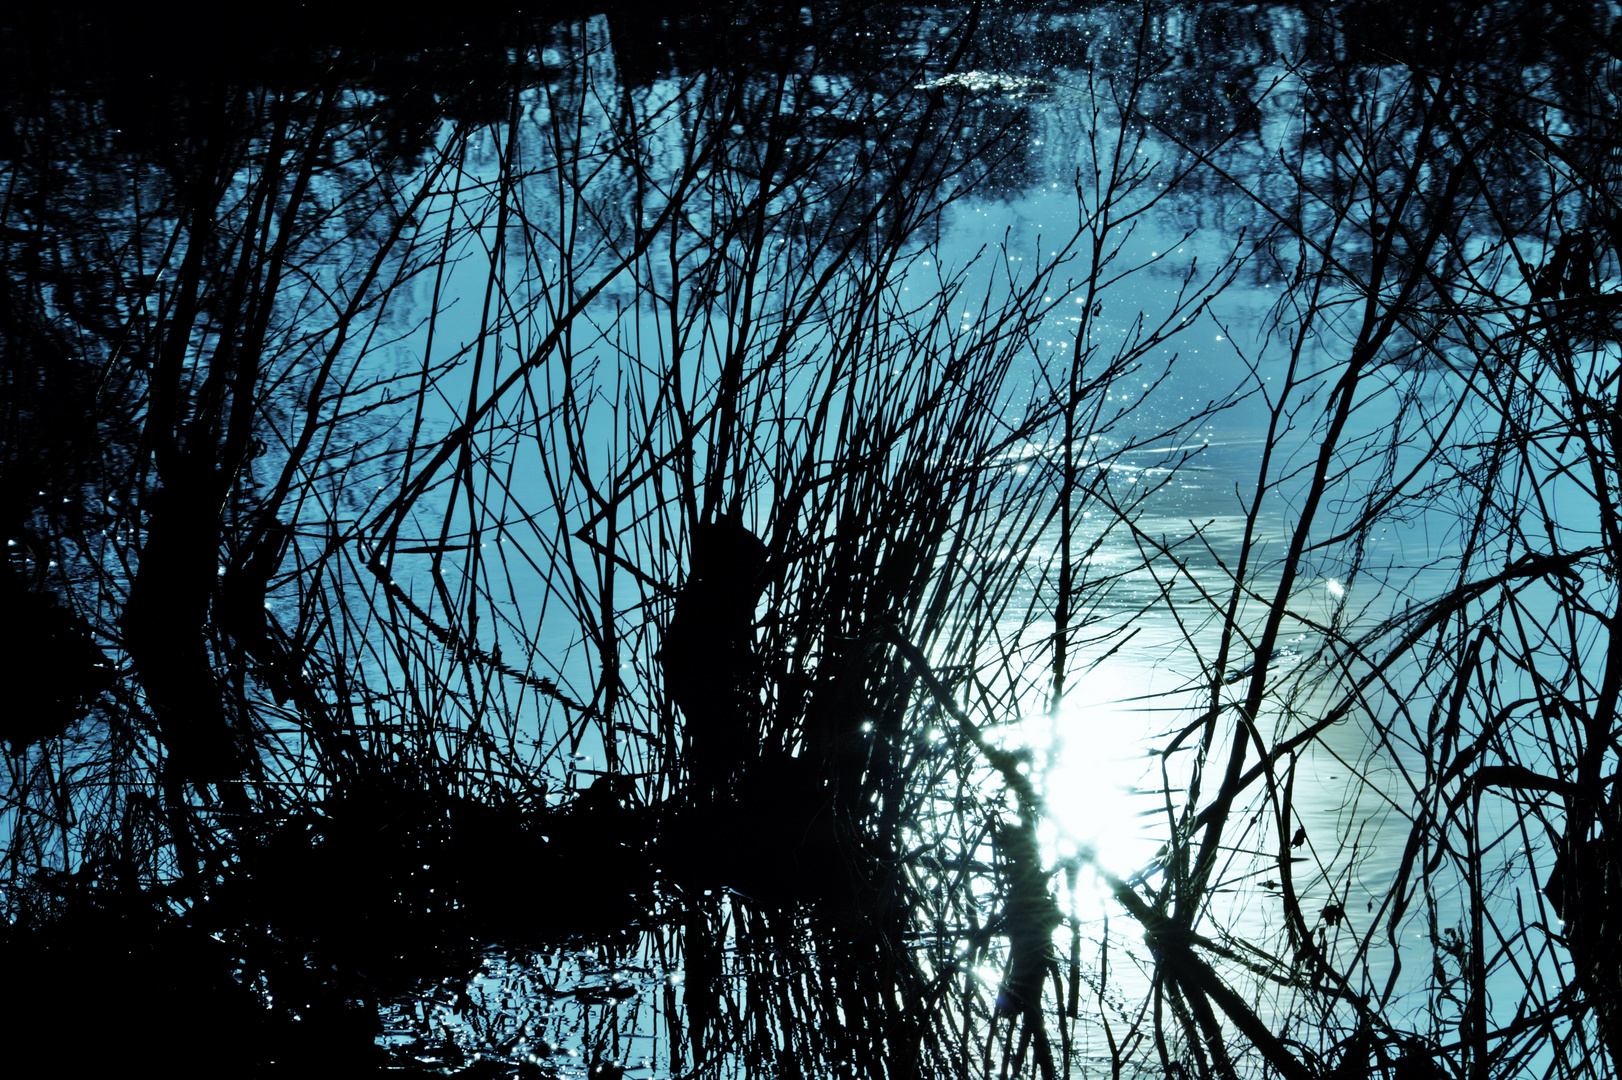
(535, 545)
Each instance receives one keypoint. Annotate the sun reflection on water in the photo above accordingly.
(1103, 787)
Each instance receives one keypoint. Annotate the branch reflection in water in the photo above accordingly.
(853, 540)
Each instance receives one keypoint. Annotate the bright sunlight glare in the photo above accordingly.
(1100, 785)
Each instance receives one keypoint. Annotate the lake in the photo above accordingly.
(861, 539)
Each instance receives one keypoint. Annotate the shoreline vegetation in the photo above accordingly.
(545, 544)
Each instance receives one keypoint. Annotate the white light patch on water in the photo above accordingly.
(1099, 781)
